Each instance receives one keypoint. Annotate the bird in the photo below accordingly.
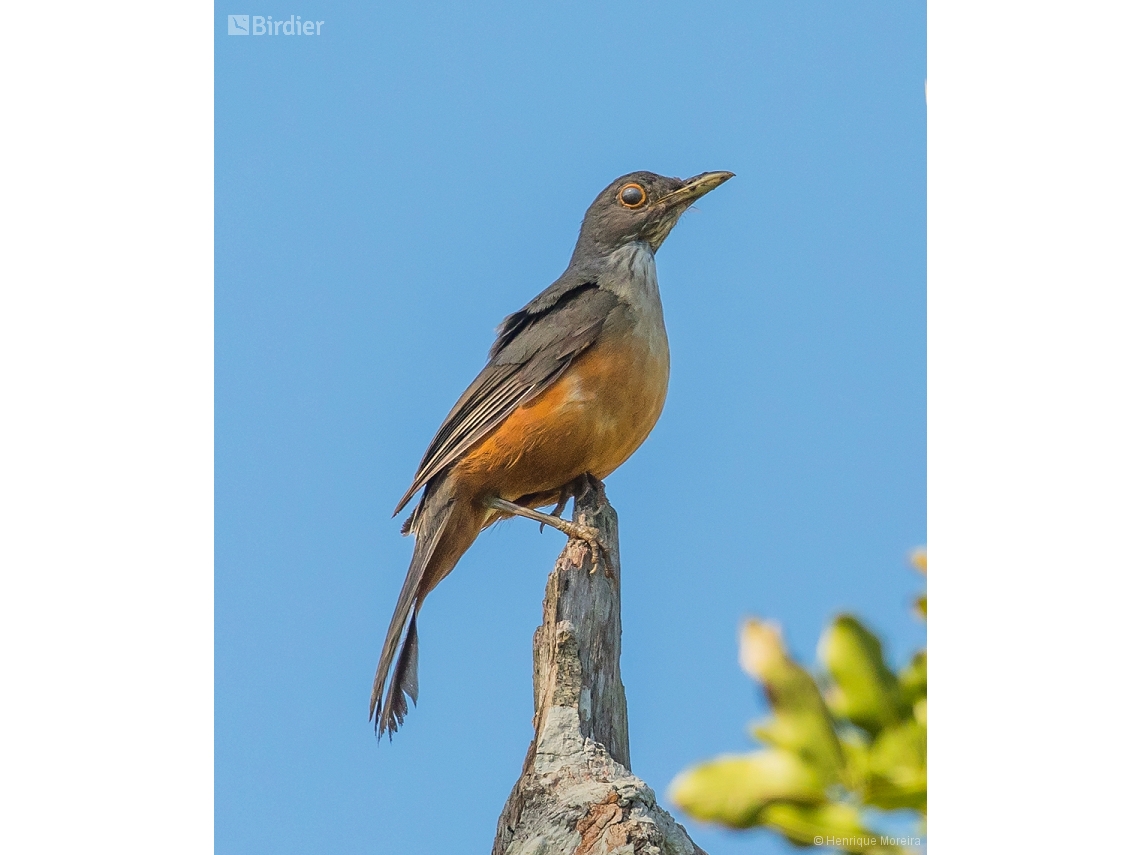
(574, 382)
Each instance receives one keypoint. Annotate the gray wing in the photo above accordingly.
(534, 346)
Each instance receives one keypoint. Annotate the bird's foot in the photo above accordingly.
(599, 555)
(576, 531)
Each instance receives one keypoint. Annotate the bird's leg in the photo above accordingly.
(569, 528)
(563, 497)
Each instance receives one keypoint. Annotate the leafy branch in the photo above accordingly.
(834, 747)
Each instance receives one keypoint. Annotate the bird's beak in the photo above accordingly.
(695, 188)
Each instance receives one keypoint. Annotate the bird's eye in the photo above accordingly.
(632, 195)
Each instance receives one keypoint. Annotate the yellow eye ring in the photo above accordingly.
(632, 196)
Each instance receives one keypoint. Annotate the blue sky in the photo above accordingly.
(386, 193)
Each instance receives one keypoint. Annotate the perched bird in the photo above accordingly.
(573, 384)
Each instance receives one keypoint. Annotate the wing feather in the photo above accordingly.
(534, 347)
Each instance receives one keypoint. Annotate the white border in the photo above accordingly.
(106, 343)
(1033, 424)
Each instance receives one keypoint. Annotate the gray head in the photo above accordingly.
(641, 206)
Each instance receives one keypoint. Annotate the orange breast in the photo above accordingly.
(590, 420)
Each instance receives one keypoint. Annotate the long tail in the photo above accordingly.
(443, 534)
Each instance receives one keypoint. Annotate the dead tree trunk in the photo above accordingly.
(576, 795)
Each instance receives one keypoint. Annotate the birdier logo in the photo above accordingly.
(267, 25)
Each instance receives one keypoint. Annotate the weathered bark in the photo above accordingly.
(576, 795)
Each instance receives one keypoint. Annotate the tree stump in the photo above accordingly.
(576, 795)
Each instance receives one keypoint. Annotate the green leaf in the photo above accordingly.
(833, 755)
(857, 759)
(896, 774)
(912, 680)
(734, 789)
(800, 721)
(866, 692)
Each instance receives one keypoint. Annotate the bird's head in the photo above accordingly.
(641, 206)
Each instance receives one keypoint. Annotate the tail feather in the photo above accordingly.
(405, 681)
(431, 519)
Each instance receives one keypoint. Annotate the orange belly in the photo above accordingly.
(590, 420)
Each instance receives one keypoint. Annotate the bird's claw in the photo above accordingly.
(599, 555)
